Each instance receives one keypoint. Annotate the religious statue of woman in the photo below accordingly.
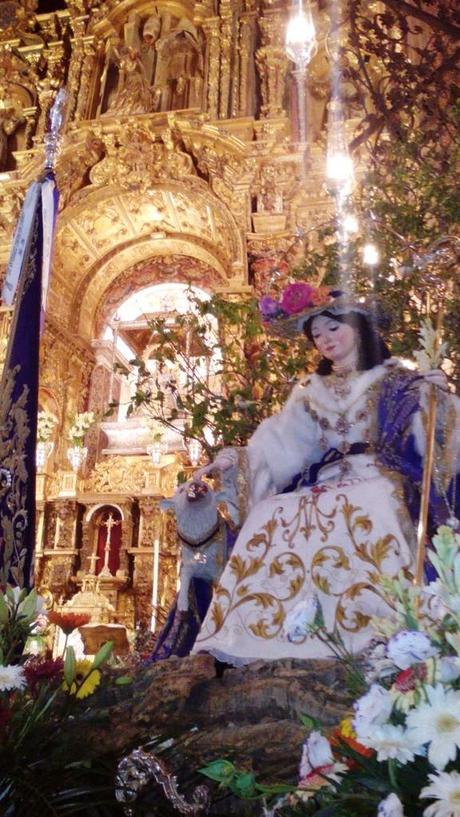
(333, 487)
(134, 94)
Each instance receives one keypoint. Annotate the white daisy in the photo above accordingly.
(390, 807)
(445, 788)
(391, 742)
(437, 723)
(372, 709)
(12, 677)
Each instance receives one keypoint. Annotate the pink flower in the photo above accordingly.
(297, 297)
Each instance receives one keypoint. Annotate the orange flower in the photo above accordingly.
(345, 734)
(68, 622)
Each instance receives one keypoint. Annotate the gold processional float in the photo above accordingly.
(191, 154)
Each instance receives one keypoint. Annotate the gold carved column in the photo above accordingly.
(272, 63)
(226, 31)
(58, 558)
(89, 79)
(146, 560)
(127, 530)
(247, 79)
(78, 24)
(211, 27)
(48, 86)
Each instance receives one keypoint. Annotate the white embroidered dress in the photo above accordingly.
(331, 541)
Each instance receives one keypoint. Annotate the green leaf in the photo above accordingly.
(102, 654)
(309, 722)
(69, 666)
(4, 610)
(274, 788)
(220, 770)
(243, 784)
(122, 680)
(28, 606)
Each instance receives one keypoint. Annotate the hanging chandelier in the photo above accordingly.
(301, 41)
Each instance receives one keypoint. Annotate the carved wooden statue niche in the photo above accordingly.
(127, 77)
(107, 541)
(15, 100)
(179, 73)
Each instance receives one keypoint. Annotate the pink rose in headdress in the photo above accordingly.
(269, 308)
(297, 297)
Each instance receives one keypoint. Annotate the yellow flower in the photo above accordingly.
(346, 728)
(86, 680)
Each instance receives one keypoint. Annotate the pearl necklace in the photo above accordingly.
(339, 380)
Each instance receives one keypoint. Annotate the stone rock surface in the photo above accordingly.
(249, 715)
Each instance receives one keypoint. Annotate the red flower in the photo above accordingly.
(68, 622)
(42, 669)
(407, 679)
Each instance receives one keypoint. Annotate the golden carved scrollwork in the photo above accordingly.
(121, 474)
(136, 159)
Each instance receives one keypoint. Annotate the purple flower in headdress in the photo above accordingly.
(297, 297)
(269, 308)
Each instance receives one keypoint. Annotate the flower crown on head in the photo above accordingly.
(299, 303)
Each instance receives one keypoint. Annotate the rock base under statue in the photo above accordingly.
(250, 715)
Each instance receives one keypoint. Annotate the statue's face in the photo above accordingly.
(334, 340)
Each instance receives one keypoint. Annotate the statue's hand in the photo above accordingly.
(437, 378)
(225, 459)
(205, 470)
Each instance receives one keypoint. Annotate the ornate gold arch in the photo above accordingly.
(112, 230)
(181, 269)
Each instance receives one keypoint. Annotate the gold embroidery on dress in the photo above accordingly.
(286, 574)
(333, 572)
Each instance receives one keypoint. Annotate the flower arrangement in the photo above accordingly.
(46, 423)
(398, 754)
(296, 298)
(48, 764)
(81, 423)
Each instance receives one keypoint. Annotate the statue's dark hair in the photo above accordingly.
(372, 349)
